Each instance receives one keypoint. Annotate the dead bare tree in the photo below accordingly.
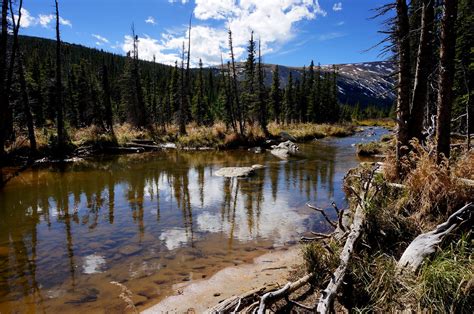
(423, 64)
(61, 141)
(446, 78)
(403, 90)
(235, 90)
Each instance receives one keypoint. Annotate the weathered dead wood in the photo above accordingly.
(396, 185)
(283, 292)
(235, 303)
(144, 146)
(466, 181)
(425, 244)
(368, 192)
(328, 294)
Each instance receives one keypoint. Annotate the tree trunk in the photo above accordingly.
(26, 106)
(59, 105)
(235, 86)
(3, 62)
(446, 78)
(420, 90)
(403, 98)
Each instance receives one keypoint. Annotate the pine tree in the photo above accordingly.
(199, 108)
(275, 95)
(310, 91)
(173, 103)
(249, 95)
(261, 92)
(289, 100)
(106, 99)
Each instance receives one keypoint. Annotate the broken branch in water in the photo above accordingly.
(323, 213)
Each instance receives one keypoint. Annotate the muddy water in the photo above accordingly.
(153, 220)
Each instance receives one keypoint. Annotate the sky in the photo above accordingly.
(291, 32)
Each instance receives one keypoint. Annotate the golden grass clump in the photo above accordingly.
(464, 168)
(308, 131)
(433, 190)
(126, 132)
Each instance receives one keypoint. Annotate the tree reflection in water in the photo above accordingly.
(152, 218)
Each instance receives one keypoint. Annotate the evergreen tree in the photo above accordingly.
(199, 109)
(249, 95)
(275, 95)
(289, 100)
(261, 91)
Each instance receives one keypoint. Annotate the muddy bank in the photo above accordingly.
(200, 296)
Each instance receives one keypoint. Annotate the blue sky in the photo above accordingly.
(292, 32)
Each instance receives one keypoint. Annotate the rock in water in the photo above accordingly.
(233, 172)
(285, 149)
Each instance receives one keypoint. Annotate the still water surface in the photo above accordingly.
(153, 220)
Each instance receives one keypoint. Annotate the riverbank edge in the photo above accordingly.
(201, 295)
(93, 141)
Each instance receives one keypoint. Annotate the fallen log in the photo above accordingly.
(328, 295)
(425, 244)
(148, 147)
(368, 192)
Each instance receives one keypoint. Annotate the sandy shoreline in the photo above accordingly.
(201, 295)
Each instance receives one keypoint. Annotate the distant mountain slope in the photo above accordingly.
(368, 83)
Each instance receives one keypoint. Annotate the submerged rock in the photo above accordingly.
(285, 149)
(235, 172)
(232, 172)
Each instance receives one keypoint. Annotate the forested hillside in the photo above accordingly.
(86, 66)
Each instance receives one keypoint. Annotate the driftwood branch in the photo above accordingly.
(425, 244)
(273, 296)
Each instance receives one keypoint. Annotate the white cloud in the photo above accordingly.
(26, 19)
(337, 6)
(150, 20)
(100, 39)
(44, 20)
(182, 1)
(340, 23)
(273, 21)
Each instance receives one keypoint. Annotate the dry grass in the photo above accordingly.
(433, 190)
(371, 148)
(309, 131)
(92, 135)
(383, 122)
